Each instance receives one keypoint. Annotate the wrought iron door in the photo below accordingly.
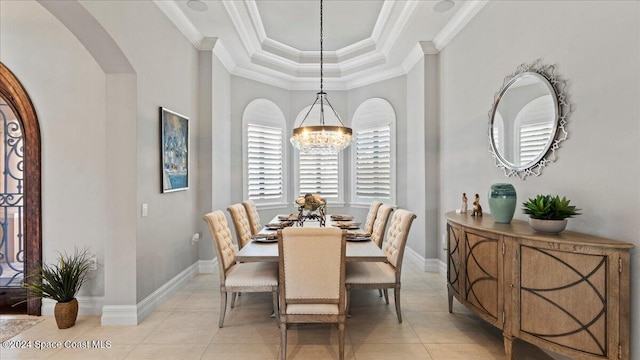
(12, 249)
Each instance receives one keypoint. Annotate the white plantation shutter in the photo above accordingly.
(318, 174)
(533, 140)
(264, 155)
(373, 152)
(373, 162)
(536, 122)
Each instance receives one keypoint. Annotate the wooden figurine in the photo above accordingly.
(477, 209)
(463, 210)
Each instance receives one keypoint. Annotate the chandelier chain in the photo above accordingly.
(321, 48)
(321, 139)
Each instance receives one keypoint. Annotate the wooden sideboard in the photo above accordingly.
(568, 293)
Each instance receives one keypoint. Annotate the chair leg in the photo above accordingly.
(348, 300)
(283, 341)
(380, 292)
(396, 293)
(386, 296)
(233, 299)
(223, 307)
(341, 340)
(275, 306)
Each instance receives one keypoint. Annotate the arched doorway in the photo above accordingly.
(20, 194)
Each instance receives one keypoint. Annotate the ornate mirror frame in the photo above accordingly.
(559, 132)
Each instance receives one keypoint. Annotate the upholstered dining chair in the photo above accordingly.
(312, 288)
(254, 217)
(239, 277)
(383, 275)
(371, 216)
(380, 224)
(241, 224)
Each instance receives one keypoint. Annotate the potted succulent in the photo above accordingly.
(548, 213)
(61, 281)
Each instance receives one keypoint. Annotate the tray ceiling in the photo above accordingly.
(278, 41)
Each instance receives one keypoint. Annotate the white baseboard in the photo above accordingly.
(431, 264)
(87, 305)
(443, 267)
(132, 315)
(207, 266)
(115, 315)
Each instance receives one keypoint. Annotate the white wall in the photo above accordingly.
(75, 99)
(68, 90)
(215, 144)
(596, 46)
(166, 64)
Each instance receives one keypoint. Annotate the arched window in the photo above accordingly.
(263, 152)
(315, 173)
(373, 152)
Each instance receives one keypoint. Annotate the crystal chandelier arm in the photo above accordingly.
(308, 112)
(334, 111)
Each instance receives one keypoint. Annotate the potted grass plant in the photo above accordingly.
(61, 281)
(548, 213)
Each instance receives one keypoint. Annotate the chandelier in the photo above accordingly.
(321, 139)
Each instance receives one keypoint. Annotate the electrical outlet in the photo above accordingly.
(93, 266)
(195, 238)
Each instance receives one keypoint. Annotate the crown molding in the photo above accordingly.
(374, 76)
(398, 26)
(241, 22)
(223, 55)
(274, 63)
(208, 43)
(428, 47)
(459, 20)
(181, 21)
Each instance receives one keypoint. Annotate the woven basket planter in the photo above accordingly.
(66, 314)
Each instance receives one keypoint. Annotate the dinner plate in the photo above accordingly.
(266, 240)
(347, 227)
(280, 225)
(341, 217)
(290, 217)
(358, 238)
(265, 237)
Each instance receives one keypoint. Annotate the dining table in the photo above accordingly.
(357, 248)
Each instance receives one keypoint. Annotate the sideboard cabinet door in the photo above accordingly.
(483, 274)
(566, 298)
(454, 263)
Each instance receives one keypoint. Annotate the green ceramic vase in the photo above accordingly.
(502, 202)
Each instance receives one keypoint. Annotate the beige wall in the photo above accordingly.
(68, 89)
(595, 45)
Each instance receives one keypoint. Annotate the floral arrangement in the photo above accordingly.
(310, 202)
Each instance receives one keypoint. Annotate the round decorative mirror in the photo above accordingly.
(526, 121)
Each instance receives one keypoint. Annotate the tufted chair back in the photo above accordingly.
(222, 240)
(311, 279)
(397, 237)
(371, 216)
(377, 234)
(252, 214)
(301, 271)
(241, 224)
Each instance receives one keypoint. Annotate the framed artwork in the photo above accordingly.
(174, 142)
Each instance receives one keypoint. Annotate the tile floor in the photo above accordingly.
(186, 327)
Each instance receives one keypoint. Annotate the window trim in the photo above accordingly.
(359, 123)
(278, 121)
